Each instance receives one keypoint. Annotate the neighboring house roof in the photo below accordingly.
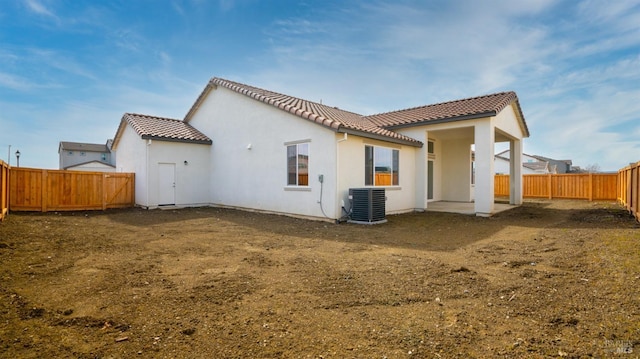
(465, 109)
(83, 147)
(330, 117)
(498, 156)
(89, 162)
(540, 166)
(506, 154)
(160, 128)
(542, 158)
(536, 166)
(551, 164)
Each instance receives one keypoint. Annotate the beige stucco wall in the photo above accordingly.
(507, 122)
(456, 168)
(256, 178)
(351, 172)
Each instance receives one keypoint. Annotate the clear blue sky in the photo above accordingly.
(70, 69)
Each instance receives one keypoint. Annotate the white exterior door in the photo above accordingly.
(166, 184)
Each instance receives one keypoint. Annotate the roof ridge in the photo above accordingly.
(90, 161)
(512, 93)
(285, 95)
(291, 108)
(151, 116)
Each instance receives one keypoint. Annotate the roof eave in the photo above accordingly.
(196, 105)
(119, 131)
(441, 120)
(379, 137)
(170, 139)
(520, 115)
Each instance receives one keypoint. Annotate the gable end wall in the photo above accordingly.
(248, 164)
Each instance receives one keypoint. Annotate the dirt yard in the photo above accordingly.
(548, 279)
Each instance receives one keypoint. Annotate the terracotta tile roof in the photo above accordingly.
(475, 107)
(334, 118)
(378, 126)
(164, 129)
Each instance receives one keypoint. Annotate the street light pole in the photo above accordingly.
(18, 157)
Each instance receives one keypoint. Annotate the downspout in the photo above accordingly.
(337, 195)
(147, 174)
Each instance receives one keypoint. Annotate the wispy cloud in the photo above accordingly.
(557, 55)
(433, 52)
(127, 39)
(40, 9)
(574, 65)
(60, 61)
(15, 83)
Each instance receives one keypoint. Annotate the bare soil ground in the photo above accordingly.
(548, 279)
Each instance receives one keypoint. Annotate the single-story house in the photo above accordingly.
(245, 147)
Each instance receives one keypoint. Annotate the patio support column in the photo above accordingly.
(515, 171)
(484, 147)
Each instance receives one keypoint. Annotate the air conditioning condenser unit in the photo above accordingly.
(367, 205)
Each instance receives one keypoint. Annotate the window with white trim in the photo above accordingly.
(382, 166)
(298, 164)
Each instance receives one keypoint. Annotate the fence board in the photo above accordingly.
(629, 188)
(590, 186)
(43, 190)
(501, 185)
(119, 190)
(4, 190)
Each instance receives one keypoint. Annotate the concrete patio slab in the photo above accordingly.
(464, 207)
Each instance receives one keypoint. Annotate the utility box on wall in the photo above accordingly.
(367, 205)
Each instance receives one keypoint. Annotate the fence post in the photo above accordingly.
(549, 187)
(132, 183)
(4, 190)
(590, 187)
(44, 190)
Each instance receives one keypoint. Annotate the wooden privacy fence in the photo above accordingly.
(590, 186)
(4, 190)
(629, 188)
(32, 189)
